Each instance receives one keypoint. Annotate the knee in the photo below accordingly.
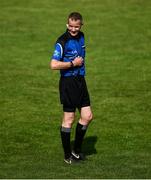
(87, 118)
(68, 121)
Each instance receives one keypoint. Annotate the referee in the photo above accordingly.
(69, 58)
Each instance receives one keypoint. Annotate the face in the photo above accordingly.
(74, 27)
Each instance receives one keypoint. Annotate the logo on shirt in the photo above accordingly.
(56, 53)
(74, 52)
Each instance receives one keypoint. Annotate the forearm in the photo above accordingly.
(57, 65)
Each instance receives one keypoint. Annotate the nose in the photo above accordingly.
(73, 29)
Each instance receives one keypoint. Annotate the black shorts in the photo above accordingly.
(73, 93)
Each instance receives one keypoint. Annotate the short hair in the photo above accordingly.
(75, 16)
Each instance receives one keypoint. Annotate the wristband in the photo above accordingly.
(72, 65)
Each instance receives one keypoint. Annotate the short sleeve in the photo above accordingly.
(57, 54)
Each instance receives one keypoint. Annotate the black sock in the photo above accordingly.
(65, 137)
(80, 132)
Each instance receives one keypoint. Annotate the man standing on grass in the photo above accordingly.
(69, 58)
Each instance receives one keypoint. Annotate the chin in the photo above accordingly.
(73, 34)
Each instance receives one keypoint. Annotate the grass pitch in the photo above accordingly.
(118, 141)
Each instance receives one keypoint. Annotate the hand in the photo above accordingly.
(78, 61)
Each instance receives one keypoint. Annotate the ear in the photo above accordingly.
(67, 25)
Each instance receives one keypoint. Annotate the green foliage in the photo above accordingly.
(118, 141)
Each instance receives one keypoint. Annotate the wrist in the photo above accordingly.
(71, 64)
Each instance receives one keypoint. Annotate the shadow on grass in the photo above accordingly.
(88, 146)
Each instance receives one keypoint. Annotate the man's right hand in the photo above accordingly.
(78, 61)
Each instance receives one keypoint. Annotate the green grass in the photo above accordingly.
(118, 40)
